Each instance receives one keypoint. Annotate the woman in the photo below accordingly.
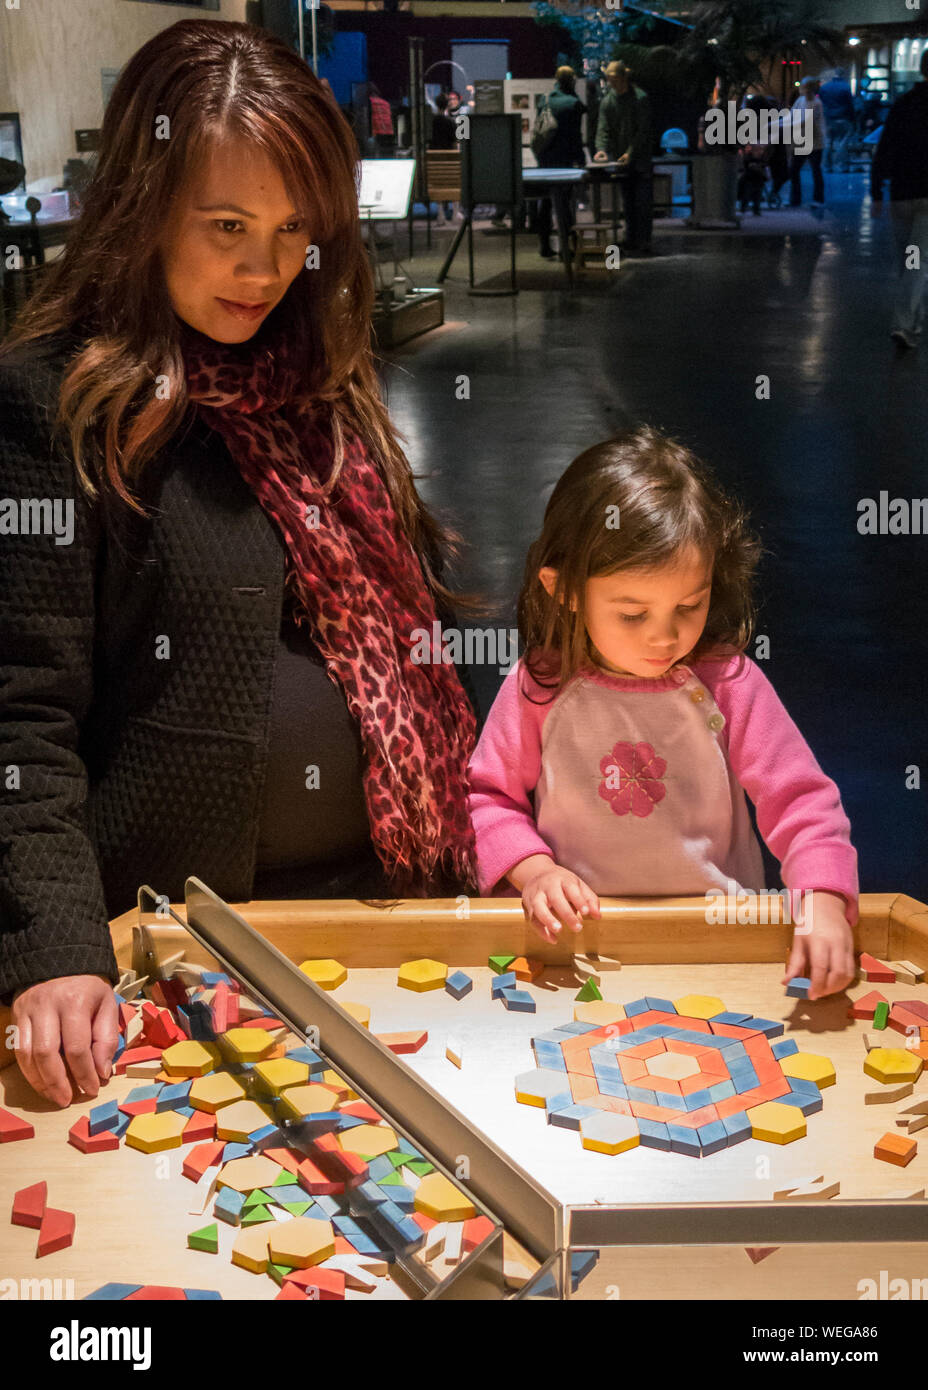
(212, 673)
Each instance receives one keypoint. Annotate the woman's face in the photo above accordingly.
(235, 240)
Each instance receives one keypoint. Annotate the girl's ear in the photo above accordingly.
(548, 577)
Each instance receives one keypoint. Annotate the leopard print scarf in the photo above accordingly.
(355, 578)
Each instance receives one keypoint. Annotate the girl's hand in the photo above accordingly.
(553, 897)
(68, 1025)
(825, 954)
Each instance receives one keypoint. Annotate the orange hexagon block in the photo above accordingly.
(301, 1242)
(421, 975)
(437, 1196)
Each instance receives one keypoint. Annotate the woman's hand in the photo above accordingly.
(553, 897)
(68, 1025)
(823, 947)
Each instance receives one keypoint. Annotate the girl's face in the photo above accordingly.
(234, 240)
(641, 621)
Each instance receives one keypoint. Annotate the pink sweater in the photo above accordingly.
(639, 785)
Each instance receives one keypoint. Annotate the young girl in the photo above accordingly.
(617, 755)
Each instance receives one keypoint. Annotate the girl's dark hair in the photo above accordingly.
(633, 502)
(211, 80)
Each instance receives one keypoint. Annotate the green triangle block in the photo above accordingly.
(297, 1208)
(393, 1179)
(257, 1198)
(500, 964)
(279, 1272)
(256, 1216)
(284, 1179)
(420, 1166)
(588, 991)
(397, 1159)
(206, 1238)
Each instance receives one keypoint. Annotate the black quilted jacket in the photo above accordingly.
(131, 768)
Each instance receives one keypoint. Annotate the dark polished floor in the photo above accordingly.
(678, 341)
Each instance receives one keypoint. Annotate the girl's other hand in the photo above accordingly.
(824, 954)
(556, 897)
(68, 1028)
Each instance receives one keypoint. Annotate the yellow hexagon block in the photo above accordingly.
(599, 1011)
(607, 1133)
(327, 974)
(421, 975)
(699, 1005)
(250, 1249)
(338, 1084)
(301, 1242)
(245, 1174)
(808, 1067)
(360, 1012)
(437, 1196)
(276, 1075)
(152, 1133)
(211, 1093)
(777, 1123)
(243, 1117)
(313, 1099)
(371, 1140)
(190, 1058)
(893, 1064)
(246, 1044)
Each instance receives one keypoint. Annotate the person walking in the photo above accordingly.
(838, 105)
(624, 135)
(216, 672)
(563, 150)
(902, 157)
(808, 108)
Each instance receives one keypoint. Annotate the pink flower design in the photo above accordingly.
(632, 773)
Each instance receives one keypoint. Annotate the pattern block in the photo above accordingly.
(690, 1083)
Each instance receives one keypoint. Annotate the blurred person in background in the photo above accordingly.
(840, 117)
(902, 157)
(624, 134)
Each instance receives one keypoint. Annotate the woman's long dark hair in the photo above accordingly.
(203, 81)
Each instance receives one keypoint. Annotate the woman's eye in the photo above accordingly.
(229, 225)
(225, 224)
(693, 607)
(632, 617)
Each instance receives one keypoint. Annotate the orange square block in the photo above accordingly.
(631, 1068)
(894, 1148)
